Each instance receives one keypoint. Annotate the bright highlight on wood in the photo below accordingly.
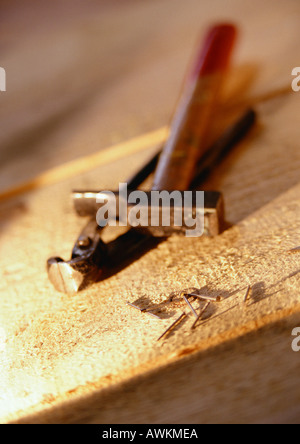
(88, 163)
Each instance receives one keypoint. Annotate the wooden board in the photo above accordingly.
(90, 357)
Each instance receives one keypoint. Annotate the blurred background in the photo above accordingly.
(84, 75)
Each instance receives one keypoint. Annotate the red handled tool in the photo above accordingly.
(187, 140)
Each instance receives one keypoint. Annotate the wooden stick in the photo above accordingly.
(88, 163)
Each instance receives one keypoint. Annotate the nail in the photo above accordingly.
(190, 306)
(135, 306)
(172, 325)
(247, 295)
(200, 314)
(143, 310)
(206, 298)
(294, 250)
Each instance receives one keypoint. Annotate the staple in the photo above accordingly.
(200, 314)
(247, 295)
(172, 325)
(189, 305)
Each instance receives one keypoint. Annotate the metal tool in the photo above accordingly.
(88, 258)
(210, 224)
(90, 254)
(85, 201)
(178, 160)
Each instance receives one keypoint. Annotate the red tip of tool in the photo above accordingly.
(216, 51)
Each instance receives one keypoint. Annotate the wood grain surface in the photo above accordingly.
(90, 92)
